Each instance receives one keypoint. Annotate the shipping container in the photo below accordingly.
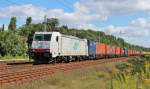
(129, 52)
(132, 52)
(118, 51)
(114, 50)
(107, 50)
(92, 48)
(100, 48)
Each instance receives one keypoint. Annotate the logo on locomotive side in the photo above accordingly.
(76, 46)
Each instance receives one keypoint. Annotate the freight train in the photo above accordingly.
(53, 47)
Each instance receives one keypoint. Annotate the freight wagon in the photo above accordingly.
(101, 50)
(118, 52)
(52, 47)
(92, 49)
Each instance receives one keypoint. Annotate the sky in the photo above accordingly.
(128, 19)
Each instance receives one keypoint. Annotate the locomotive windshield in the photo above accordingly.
(42, 37)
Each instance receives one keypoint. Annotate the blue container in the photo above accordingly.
(125, 51)
(92, 48)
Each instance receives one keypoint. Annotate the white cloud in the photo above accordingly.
(131, 34)
(127, 30)
(88, 26)
(138, 41)
(115, 7)
(21, 11)
(91, 10)
(80, 16)
(141, 22)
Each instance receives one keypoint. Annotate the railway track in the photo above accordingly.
(6, 65)
(15, 74)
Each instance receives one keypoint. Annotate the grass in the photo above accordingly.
(94, 77)
(102, 76)
(8, 58)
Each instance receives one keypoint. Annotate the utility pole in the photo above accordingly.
(45, 23)
(99, 37)
(3, 27)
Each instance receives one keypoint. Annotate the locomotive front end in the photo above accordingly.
(40, 50)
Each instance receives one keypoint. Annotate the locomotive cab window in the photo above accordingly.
(47, 37)
(42, 37)
(38, 38)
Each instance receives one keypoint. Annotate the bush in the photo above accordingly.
(12, 44)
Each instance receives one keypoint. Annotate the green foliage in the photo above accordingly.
(12, 24)
(99, 36)
(1, 29)
(123, 67)
(12, 44)
(137, 68)
(52, 24)
(28, 31)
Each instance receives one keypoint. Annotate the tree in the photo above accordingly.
(64, 27)
(28, 20)
(28, 31)
(12, 44)
(52, 24)
(12, 24)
